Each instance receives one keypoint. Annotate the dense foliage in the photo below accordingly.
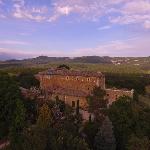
(12, 111)
(64, 66)
(129, 81)
(130, 118)
(50, 134)
(27, 80)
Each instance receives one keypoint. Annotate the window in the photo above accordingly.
(77, 78)
(88, 79)
(73, 103)
(67, 78)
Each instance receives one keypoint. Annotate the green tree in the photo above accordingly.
(31, 110)
(66, 141)
(17, 126)
(45, 117)
(129, 117)
(12, 111)
(64, 66)
(90, 130)
(36, 137)
(27, 80)
(97, 99)
(120, 114)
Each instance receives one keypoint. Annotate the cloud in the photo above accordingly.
(12, 42)
(147, 24)
(86, 9)
(14, 54)
(2, 16)
(133, 12)
(122, 12)
(24, 34)
(104, 27)
(1, 2)
(117, 11)
(130, 47)
(136, 46)
(22, 12)
(39, 10)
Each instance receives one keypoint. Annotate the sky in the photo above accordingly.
(72, 28)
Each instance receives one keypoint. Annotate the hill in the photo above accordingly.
(46, 59)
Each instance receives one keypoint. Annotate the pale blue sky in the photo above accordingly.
(29, 28)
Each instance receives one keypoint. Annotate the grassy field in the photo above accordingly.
(105, 68)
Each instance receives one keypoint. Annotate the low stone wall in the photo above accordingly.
(113, 94)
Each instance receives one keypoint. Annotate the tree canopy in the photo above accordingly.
(129, 117)
(12, 111)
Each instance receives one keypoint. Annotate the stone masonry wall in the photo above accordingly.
(113, 94)
(86, 84)
(70, 100)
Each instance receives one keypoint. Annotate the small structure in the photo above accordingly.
(113, 94)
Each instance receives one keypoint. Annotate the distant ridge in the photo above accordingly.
(46, 59)
(133, 61)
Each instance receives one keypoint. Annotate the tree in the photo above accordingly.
(67, 141)
(31, 110)
(45, 117)
(12, 111)
(129, 81)
(27, 80)
(120, 113)
(64, 66)
(90, 130)
(129, 117)
(17, 126)
(36, 137)
(97, 99)
(136, 143)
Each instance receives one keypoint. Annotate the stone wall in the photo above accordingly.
(113, 94)
(86, 84)
(72, 100)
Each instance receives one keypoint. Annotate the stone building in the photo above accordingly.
(72, 86)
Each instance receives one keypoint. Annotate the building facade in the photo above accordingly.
(72, 86)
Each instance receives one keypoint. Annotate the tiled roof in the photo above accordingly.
(65, 72)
